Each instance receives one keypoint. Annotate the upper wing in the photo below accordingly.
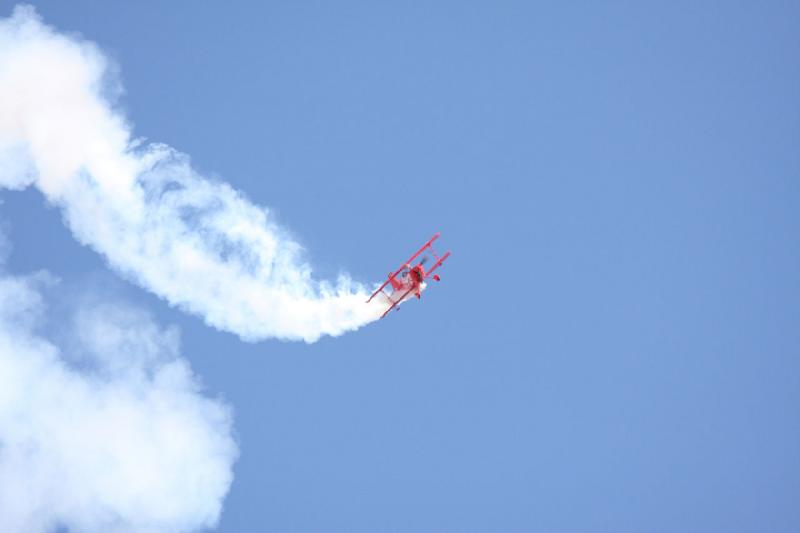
(424, 247)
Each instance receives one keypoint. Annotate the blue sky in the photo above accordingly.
(614, 345)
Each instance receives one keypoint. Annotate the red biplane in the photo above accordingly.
(409, 280)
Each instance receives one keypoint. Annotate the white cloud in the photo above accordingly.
(197, 243)
(117, 437)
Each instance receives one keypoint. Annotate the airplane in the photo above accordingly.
(408, 281)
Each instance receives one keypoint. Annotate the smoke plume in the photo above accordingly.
(197, 243)
(111, 434)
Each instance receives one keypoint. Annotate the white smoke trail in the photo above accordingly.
(198, 244)
(119, 440)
